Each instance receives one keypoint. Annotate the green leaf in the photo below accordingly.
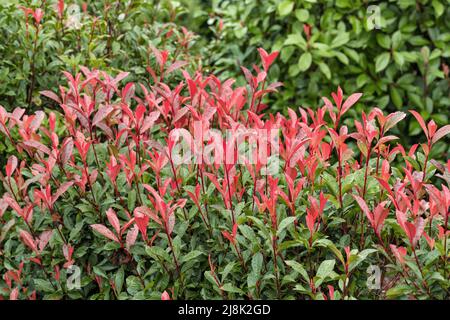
(438, 8)
(298, 268)
(248, 232)
(257, 262)
(331, 183)
(384, 40)
(210, 278)
(261, 226)
(398, 58)
(360, 257)
(381, 61)
(305, 61)
(119, 278)
(341, 57)
(158, 253)
(396, 39)
(55, 296)
(100, 272)
(252, 279)
(191, 255)
(285, 7)
(352, 54)
(302, 15)
(131, 199)
(296, 39)
(43, 285)
(341, 39)
(362, 80)
(134, 285)
(396, 292)
(396, 97)
(330, 245)
(227, 270)
(285, 223)
(294, 70)
(231, 288)
(325, 70)
(325, 269)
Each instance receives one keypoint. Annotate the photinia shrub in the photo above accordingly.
(193, 190)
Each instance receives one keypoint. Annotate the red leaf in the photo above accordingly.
(165, 296)
(66, 150)
(410, 231)
(101, 114)
(37, 145)
(267, 59)
(214, 181)
(132, 236)
(399, 253)
(14, 294)
(147, 212)
(60, 8)
(432, 128)
(142, 218)
(170, 223)
(176, 65)
(442, 132)
(337, 97)
(43, 240)
(3, 207)
(150, 120)
(227, 235)
(61, 190)
(104, 231)
(331, 292)
(431, 242)
(419, 227)
(235, 227)
(362, 204)
(13, 204)
(28, 240)
(248, 75)
(180, 114)
(113, 220)
(37, 120)
(127, 91)
(120, 77)
(350, 102)
(386, 186)
(51, 95)
(274, 86)
(310, 222)
(392, 119)
(421, 122)
(37, 15)
(11, 166)
(380, 214)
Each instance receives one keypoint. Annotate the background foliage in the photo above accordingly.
(402, 65)
(110, 35)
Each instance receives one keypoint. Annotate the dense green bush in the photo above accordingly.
(111, 35)
(402, 65)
